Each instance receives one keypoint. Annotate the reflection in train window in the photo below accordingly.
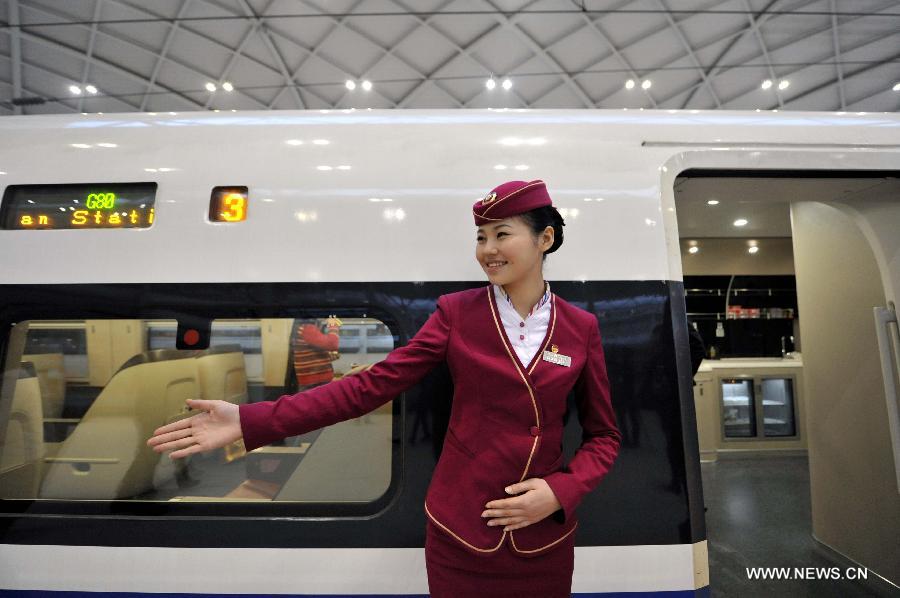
(161, 335)
(83, 437)
(61, 338)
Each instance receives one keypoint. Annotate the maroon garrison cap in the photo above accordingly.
(509, 199)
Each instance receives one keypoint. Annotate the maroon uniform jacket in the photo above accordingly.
(506, 422)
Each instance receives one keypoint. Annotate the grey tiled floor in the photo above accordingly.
(758, 515)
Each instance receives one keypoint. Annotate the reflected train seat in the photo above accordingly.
(52, 378)
(223, 376)
(332, 469)
(23, 443)
(106, 456)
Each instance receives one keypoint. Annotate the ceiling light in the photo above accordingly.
(367, 85)
(81, 145)
(490, 83)
(343, 167)
(694, 249)
(521, 167)
(783, 84)
(767, 84)
(896, 87)
(320, 142)
(629, 84)
(227, 86)
(351, 85)
(75, 89)
(294, 142)
(713, 202)
(646, 84)
(500, 167)
(507, 84)
(323, 167)
(91, 89)
(210, 87)
(107, 145)
(753, 249)
(740, 222)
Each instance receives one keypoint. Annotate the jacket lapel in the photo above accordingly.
(524, 371)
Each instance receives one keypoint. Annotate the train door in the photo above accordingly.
(792, 277)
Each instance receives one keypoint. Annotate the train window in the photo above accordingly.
(81, 435)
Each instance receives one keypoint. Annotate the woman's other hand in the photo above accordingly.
(219, 424)
(537, 503)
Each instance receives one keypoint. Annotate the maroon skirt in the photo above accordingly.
(454, 572)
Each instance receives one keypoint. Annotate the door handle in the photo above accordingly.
(888, 334)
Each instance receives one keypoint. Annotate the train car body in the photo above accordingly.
(364, 216)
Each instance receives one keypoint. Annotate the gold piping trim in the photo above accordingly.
(530, 456)
(504, 340)
(511, 193)
(560, 539)
(449, 531)
(486, 217)
(549, 336)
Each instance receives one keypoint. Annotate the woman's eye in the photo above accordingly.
(498, 234)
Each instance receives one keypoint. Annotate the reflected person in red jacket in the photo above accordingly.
(501, 507)
(312, 352)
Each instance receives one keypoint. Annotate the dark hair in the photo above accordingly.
(539, 219)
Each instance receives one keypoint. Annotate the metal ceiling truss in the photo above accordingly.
(258, 25)
(787, 75)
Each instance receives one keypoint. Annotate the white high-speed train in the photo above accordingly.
(150, 258)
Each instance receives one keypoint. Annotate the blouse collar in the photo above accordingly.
(537, 306)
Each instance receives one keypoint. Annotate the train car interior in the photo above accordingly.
(89, 393)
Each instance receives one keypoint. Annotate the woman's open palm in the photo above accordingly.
(218, 425)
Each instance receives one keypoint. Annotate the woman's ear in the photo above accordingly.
(548, 236)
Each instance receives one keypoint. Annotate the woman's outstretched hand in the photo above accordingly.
(537, 502)
(218, 425)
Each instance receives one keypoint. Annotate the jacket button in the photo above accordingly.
(535, 431)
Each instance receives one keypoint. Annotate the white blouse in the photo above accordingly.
(525, 335)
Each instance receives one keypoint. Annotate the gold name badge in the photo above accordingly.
(558, 358)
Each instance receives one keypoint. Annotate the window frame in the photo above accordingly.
(214, 301)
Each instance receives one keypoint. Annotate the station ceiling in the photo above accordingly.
(181, 55)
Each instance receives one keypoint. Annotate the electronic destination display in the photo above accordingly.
(101, 205)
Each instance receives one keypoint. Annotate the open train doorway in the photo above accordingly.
(790, 280)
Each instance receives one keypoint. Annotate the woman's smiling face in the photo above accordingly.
(507, 250)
